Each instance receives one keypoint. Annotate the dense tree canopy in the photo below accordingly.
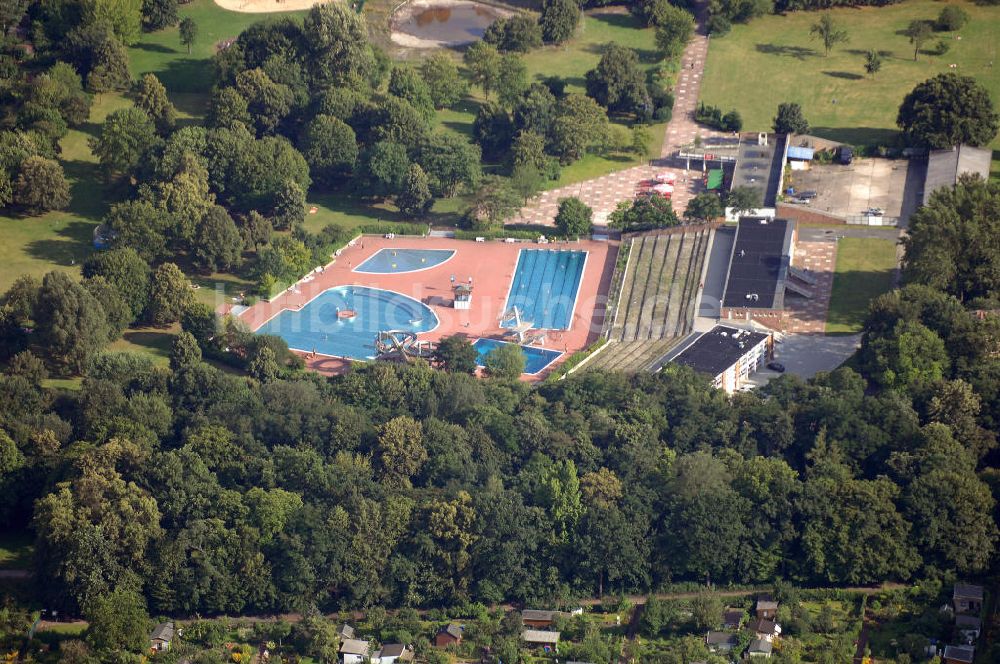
(946, 111)
(950, 245)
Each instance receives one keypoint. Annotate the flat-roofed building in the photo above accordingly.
(944, 167)
(728, 354)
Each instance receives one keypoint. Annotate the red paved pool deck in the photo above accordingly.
(491, 266)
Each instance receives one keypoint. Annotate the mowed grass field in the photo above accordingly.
(864, 271)
(773, 59)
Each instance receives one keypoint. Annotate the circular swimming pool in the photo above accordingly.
(320, 327)
(395, 261)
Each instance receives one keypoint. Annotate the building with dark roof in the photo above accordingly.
(538, 618)
(161, 636)
(944, 167)
(760, 273)
(728, 354)
(967, 598)
(760, 648)
(759, 263)
(721, 641)
(760, 165)
(448, 635)
(959, 654)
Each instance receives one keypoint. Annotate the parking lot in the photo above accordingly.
(893, 185)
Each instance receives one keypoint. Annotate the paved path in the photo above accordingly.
(602, 194)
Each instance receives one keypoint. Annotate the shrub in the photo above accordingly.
(732, 121)
(951, 18)
(719, 25)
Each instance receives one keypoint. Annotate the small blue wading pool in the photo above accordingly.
(535, 359)
(344, 321)
(395, 261)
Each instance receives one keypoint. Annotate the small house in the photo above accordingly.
(967, 598)
(161, 636)
(538, 618)
(345, 631)
(446, 636)
(764, 629)
(538, 638)
(720, 642)
(354, 651)
(760, 648)
(766, 608)
(392, 653)
(959, 654)
(732, 618)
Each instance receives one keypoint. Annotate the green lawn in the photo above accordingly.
(775, 54)
(60, 240)
(864, 271)
(16, 549)
(162, 53)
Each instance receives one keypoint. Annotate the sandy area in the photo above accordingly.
(267, 6)
(415, 7)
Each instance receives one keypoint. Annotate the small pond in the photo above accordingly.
(446, 23)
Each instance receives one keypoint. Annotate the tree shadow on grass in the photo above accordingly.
(615, 19)
(464, 128)
(797, 52)
(862, 51)
(86, 191)
(187, 75)
(194, 104)
(858, 136)
(155, 48)
(158, 342)
(70, 246)
(846, 75)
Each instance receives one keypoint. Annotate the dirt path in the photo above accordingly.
(637, 601)
(602, 194)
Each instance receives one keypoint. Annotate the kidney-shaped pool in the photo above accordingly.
(344, 321)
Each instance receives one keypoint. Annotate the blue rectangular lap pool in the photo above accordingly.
(545, 287)
(396, 261)
(535, 359)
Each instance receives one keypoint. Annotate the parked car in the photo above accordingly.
(845, 155)
(776, 366)
(807, 194)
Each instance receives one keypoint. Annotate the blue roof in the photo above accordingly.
(796, 152)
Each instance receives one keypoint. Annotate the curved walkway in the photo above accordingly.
(602, 194)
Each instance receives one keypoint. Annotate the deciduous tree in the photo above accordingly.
(829, 32)
(41, 186)
(188, 32)
(169, 295)
(70, 322)
(559, 20)
(946, 111)
(415, 199)
(443, 80)
(151, 97)
(790, 119)
(574, 217)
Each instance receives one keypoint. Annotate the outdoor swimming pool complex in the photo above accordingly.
(325, 324)
(545, 286)
(395, 261)
(535, 359)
